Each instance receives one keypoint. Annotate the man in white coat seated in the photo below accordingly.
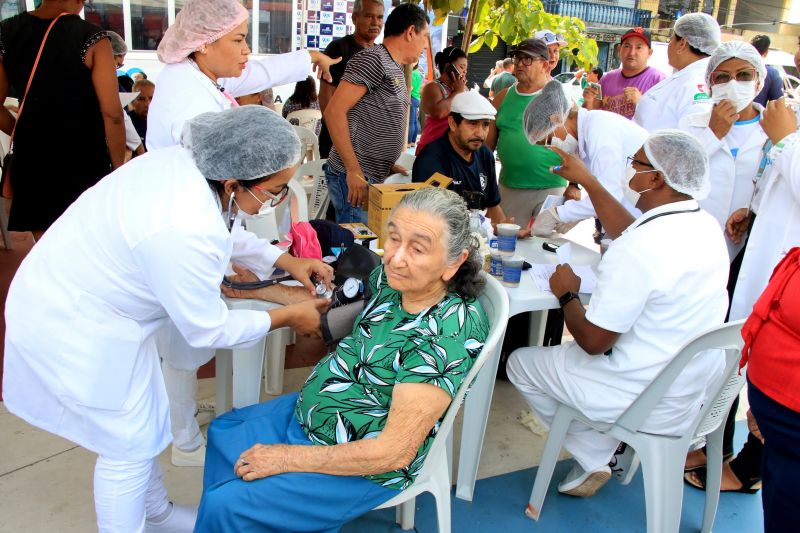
(659, 284)
(603, 140)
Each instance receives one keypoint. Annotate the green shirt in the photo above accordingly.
(502, 81)
(524, 165)
(416, 83)
(348, 395)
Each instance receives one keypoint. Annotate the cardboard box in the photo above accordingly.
(383, 197)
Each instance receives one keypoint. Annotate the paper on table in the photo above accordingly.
(552, 200)
(541, 276)
(564, 253)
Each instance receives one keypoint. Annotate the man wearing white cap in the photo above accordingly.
(461, 154)
(661, 282)
(554, 42)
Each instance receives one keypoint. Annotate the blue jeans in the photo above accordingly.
(337, 190)
(413, 121)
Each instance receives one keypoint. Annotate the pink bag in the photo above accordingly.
(303, 237)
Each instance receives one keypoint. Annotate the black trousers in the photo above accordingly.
(780, 427)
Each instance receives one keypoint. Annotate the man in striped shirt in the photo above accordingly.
(367, 117)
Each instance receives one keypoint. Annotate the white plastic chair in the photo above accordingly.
(310, 141)
(434, 477)
(318, 191)
(406, 160)
(306, 118)
(662, 457)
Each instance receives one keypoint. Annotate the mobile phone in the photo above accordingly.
(550, 246)
(452, 71)
(598, 88)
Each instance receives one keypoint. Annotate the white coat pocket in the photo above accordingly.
(106, 347)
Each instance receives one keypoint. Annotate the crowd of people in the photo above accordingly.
(692, 179)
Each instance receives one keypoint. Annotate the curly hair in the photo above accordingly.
(452, 210)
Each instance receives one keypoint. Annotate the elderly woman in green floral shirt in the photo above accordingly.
(361, 426)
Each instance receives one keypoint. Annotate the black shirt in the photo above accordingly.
(140, 124)
(346, 47)
(479, 175)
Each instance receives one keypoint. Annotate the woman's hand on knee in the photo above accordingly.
(262, 461)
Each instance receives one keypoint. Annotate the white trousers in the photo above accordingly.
(544, 384)
(181, 389)
(126, 493)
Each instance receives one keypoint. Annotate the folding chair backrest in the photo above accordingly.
(318, 203)
(726, 337)
(494, 300)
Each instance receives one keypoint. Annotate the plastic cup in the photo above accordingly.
(507, 238)
(512, 270)
(496, 264)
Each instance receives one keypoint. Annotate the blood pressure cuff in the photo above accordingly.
(355, 262)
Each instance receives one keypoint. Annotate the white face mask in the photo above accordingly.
(629, 194)
(568, 145)
(741, 93)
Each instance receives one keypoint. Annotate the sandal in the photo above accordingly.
(750, 487)
(725, 458)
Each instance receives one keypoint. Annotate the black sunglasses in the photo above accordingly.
(632, 160)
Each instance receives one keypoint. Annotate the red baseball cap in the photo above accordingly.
(639, 32)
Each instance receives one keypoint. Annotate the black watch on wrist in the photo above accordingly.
(576, 185)
(566, 298)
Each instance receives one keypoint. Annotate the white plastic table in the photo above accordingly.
(526, 297)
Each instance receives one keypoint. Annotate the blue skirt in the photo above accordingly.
(293, 502)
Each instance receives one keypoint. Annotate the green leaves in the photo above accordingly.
(516, 20)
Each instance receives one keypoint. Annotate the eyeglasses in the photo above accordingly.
(720, 77)
(632, 160)
(275, 199)
(524, 59)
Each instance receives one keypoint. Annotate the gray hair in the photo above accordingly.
(118, 46)
(451, 209)
(358, 5)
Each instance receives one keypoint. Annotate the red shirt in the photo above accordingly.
(772, 335)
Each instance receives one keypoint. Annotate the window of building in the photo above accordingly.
(106, 14)
(148, 23)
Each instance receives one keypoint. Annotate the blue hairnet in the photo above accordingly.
(242, 143)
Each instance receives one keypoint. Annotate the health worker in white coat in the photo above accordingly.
(660, 283)
(603, 140)
(149, 243)
(694, 38)
(775, 210)
(734, 140)
(208, 65)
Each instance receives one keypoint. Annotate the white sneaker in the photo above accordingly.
(193, 458)
(624, 463)
(181, 519)
(581, 483)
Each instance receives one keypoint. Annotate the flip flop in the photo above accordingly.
(752, 487)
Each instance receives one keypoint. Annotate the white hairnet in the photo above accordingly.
(546, 112)
(118, 46)
(681, 159)
(736, 50)
(199, 23)
(700, 30)
(241, 143)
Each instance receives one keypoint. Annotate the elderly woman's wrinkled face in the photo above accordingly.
(227, 56)
(415, 253)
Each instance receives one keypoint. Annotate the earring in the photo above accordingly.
(203, 50)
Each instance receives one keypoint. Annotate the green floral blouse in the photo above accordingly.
(348, 395)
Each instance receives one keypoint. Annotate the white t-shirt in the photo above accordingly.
(660, 283)
(740, 132)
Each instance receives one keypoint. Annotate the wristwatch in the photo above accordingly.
(576, 185)
(566, 298)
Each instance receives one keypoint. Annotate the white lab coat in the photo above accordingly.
(146, 244)
(183, 92)
(777, 226)
(731, 177)
(665, 103)
(605, 140)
